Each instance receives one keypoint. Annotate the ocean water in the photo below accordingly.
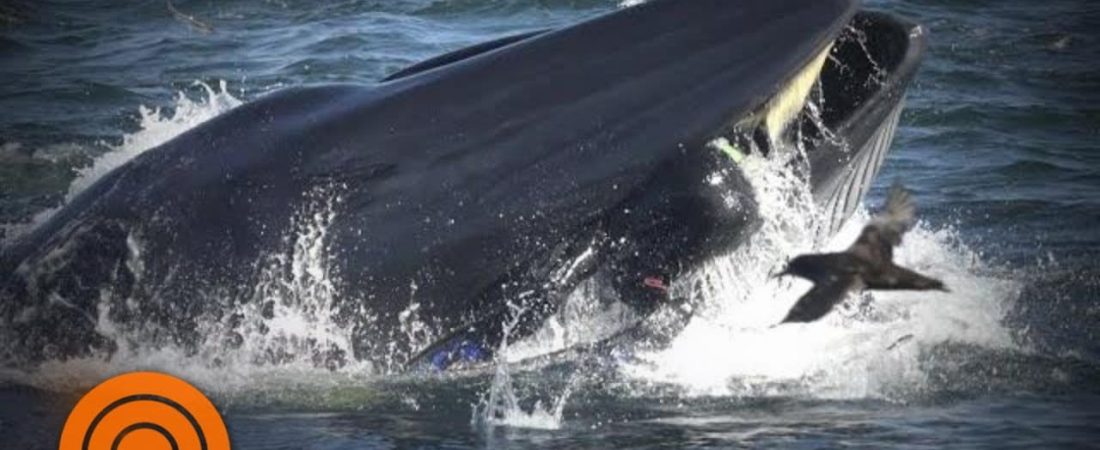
(998, 142)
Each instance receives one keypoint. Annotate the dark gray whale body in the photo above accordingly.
(504, 173)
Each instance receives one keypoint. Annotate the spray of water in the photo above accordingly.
(502, 404)
(156, 127)
(285, 331)
(870, 348)
(290, 315)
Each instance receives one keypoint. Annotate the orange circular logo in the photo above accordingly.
(144, 411)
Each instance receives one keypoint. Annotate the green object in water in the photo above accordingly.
(725, 146)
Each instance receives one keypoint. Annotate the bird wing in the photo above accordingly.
(822, 298)
(877, 240)
(895, 277)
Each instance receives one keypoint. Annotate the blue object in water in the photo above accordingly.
(460, 350)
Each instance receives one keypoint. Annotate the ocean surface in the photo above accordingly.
(999, 141)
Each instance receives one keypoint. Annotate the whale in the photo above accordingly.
(464, 197)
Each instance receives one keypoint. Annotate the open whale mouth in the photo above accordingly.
(842, 108)
(861, 95)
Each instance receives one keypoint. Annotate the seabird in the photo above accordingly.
(867, 264)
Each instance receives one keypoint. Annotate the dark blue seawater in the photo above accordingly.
(999, 141)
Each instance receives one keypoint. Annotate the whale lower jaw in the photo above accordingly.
(875, 59)
(842, 197)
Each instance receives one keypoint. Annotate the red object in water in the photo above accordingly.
(655, 283)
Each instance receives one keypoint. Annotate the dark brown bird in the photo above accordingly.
(867, 264)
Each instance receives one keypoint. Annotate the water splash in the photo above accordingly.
(872, 347)
(502, 405)
(285, 327)
(156, 127)
(590, 313)
(290, 317)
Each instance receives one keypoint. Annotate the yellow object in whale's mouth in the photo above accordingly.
(781, 110)
(777, 114)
